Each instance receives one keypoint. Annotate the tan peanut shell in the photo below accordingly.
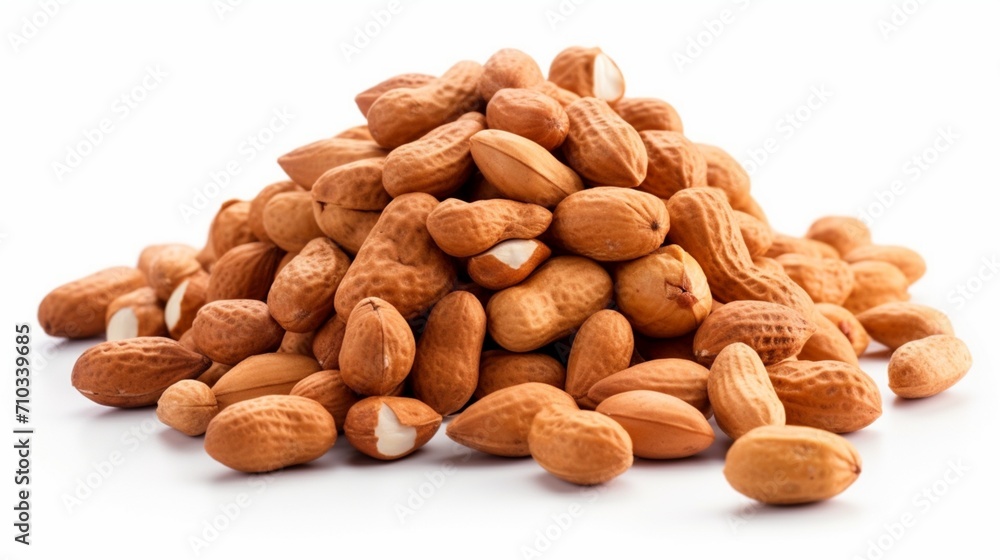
(528, 113)
(437, 163)
(134, 372)
(378, 348)
(843, 233)
(229, 331)
(675, 163)
(399, 261)
(757, 235)
(894, 324)
(610, 223)
(774, 331)
(587, 72)
(446, 367)
(648, 113)
(603, 148)
(499, 369)
(848, 324)
(550, 304)
(876, 283)
(825, 280)
(328, 341)
(245, 272)
(301, 297)
(366, 98)
(829, 342)
(464, 229)
(681, 378)
(327, 388)
(664, 294)
(137, 313)
(523, 170)
(255, 217)
(187, 406)
(785, 244)
(262, 374)
(603, 346)
(725, 173)
(269, 433)
(389, 428)
(833, 396)
(908, 261)
(579, 446)
(507, 263)
(230, 227)
(508, 68)
(289, 221)
(499, 423)
(741, 392)
(660, 426)
(791, 465)
(403, 115)
(928, 366)
(78, 309)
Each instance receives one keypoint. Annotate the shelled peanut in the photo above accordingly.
(553, 263)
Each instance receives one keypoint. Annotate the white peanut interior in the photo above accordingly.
(392, 438)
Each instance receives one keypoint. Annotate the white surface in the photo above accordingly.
(281, 65)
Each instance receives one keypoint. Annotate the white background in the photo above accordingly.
(888, 98)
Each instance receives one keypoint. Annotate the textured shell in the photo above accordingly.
(353, 186)
(365, 99)
(828, 395)
(507, 263)
(876, 283)
(229, 331)
(783, 244)
(289, 221)
(774, 331)
(499, 423)
(829, 342)
(660, 426)
(610, 223)
(508, 68)
(675, 163)
(78, 309)
(306, 164)
(145, 306)
(908, 261)
(523, 170)
(602, 147)
(378, 348)
(895, 324)
(171, 266)
(843, 233)
(603, 346)
(791, 465)
(446, 368)
(649, 113)
(757, 235)
(361, 424)
(187, 406)
(269, 433)
(301, 297)
(587, 72)
(399, 261)
(741, 392)
(263, 374)
(438, 163)
(349, 228)
(134, 372)
(722, 171)
(681, 378)
(499, 369)
(255, 218)
(327, 388)
(703, 223)
(245, 272)
(403, 115)
(464, 229)
(848, 324)
(664, 294)
(230, 227)
(928, 366)
(529, 113)
(550, 304)
(825, 280)
(328, 341)
(580, 446)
